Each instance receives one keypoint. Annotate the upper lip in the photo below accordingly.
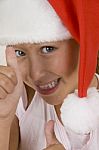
(38, 83)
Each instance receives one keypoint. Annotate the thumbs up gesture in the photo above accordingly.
(52, 142)
(11, 87)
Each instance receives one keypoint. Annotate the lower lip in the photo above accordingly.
(48, 91)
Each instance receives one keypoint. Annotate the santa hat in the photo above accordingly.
(81, 19)
(23, 21)
(80, 111)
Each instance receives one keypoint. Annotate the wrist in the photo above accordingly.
(4, 137)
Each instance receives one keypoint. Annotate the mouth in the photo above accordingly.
(49, 87)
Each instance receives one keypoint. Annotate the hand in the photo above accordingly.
(52, 142)
(11, 87)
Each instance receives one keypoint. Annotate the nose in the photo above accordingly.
(36, 69)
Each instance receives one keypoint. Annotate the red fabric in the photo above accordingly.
(81, 17)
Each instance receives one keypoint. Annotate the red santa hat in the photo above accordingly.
(34, 21)
(81, 18)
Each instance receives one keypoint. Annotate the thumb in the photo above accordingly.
(12, 62)
(11, 59)
(49, 133)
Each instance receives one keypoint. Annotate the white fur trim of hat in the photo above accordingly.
(29, 21)
(81, 115)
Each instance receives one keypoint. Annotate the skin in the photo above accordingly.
(43, 63)
(36, 65)
(9, 77)
(60, 61)
(52, 142)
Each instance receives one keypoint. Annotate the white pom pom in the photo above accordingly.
(78, 114)
(93, 100)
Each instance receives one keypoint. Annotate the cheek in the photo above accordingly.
(63, 64)
(24, 68)
(72, 62)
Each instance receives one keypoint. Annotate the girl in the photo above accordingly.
(48, 58)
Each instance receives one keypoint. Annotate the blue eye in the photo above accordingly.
(19, 53)
(47, 49)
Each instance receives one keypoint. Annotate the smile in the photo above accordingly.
(49, 87)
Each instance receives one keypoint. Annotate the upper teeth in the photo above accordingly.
(49, 85)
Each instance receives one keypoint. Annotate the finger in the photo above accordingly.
(12, 62)
(49, 133)
(6, 83)
(11, 58)
(3, 93)
(9, 73)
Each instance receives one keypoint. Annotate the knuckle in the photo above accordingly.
(12, 76)
(5, 82)
(8, 80)
(7, 85)
(9, 72)
(10, 90)
(3, 94)
(10, 87)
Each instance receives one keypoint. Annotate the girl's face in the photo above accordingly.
(50, 68)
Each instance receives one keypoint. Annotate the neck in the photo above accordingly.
(95, 82)
(30, 93)
(57, 109)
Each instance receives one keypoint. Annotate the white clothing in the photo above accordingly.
(32, 122)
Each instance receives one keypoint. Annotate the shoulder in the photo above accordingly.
(97, 77)
(95, 81)
(14, 134)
